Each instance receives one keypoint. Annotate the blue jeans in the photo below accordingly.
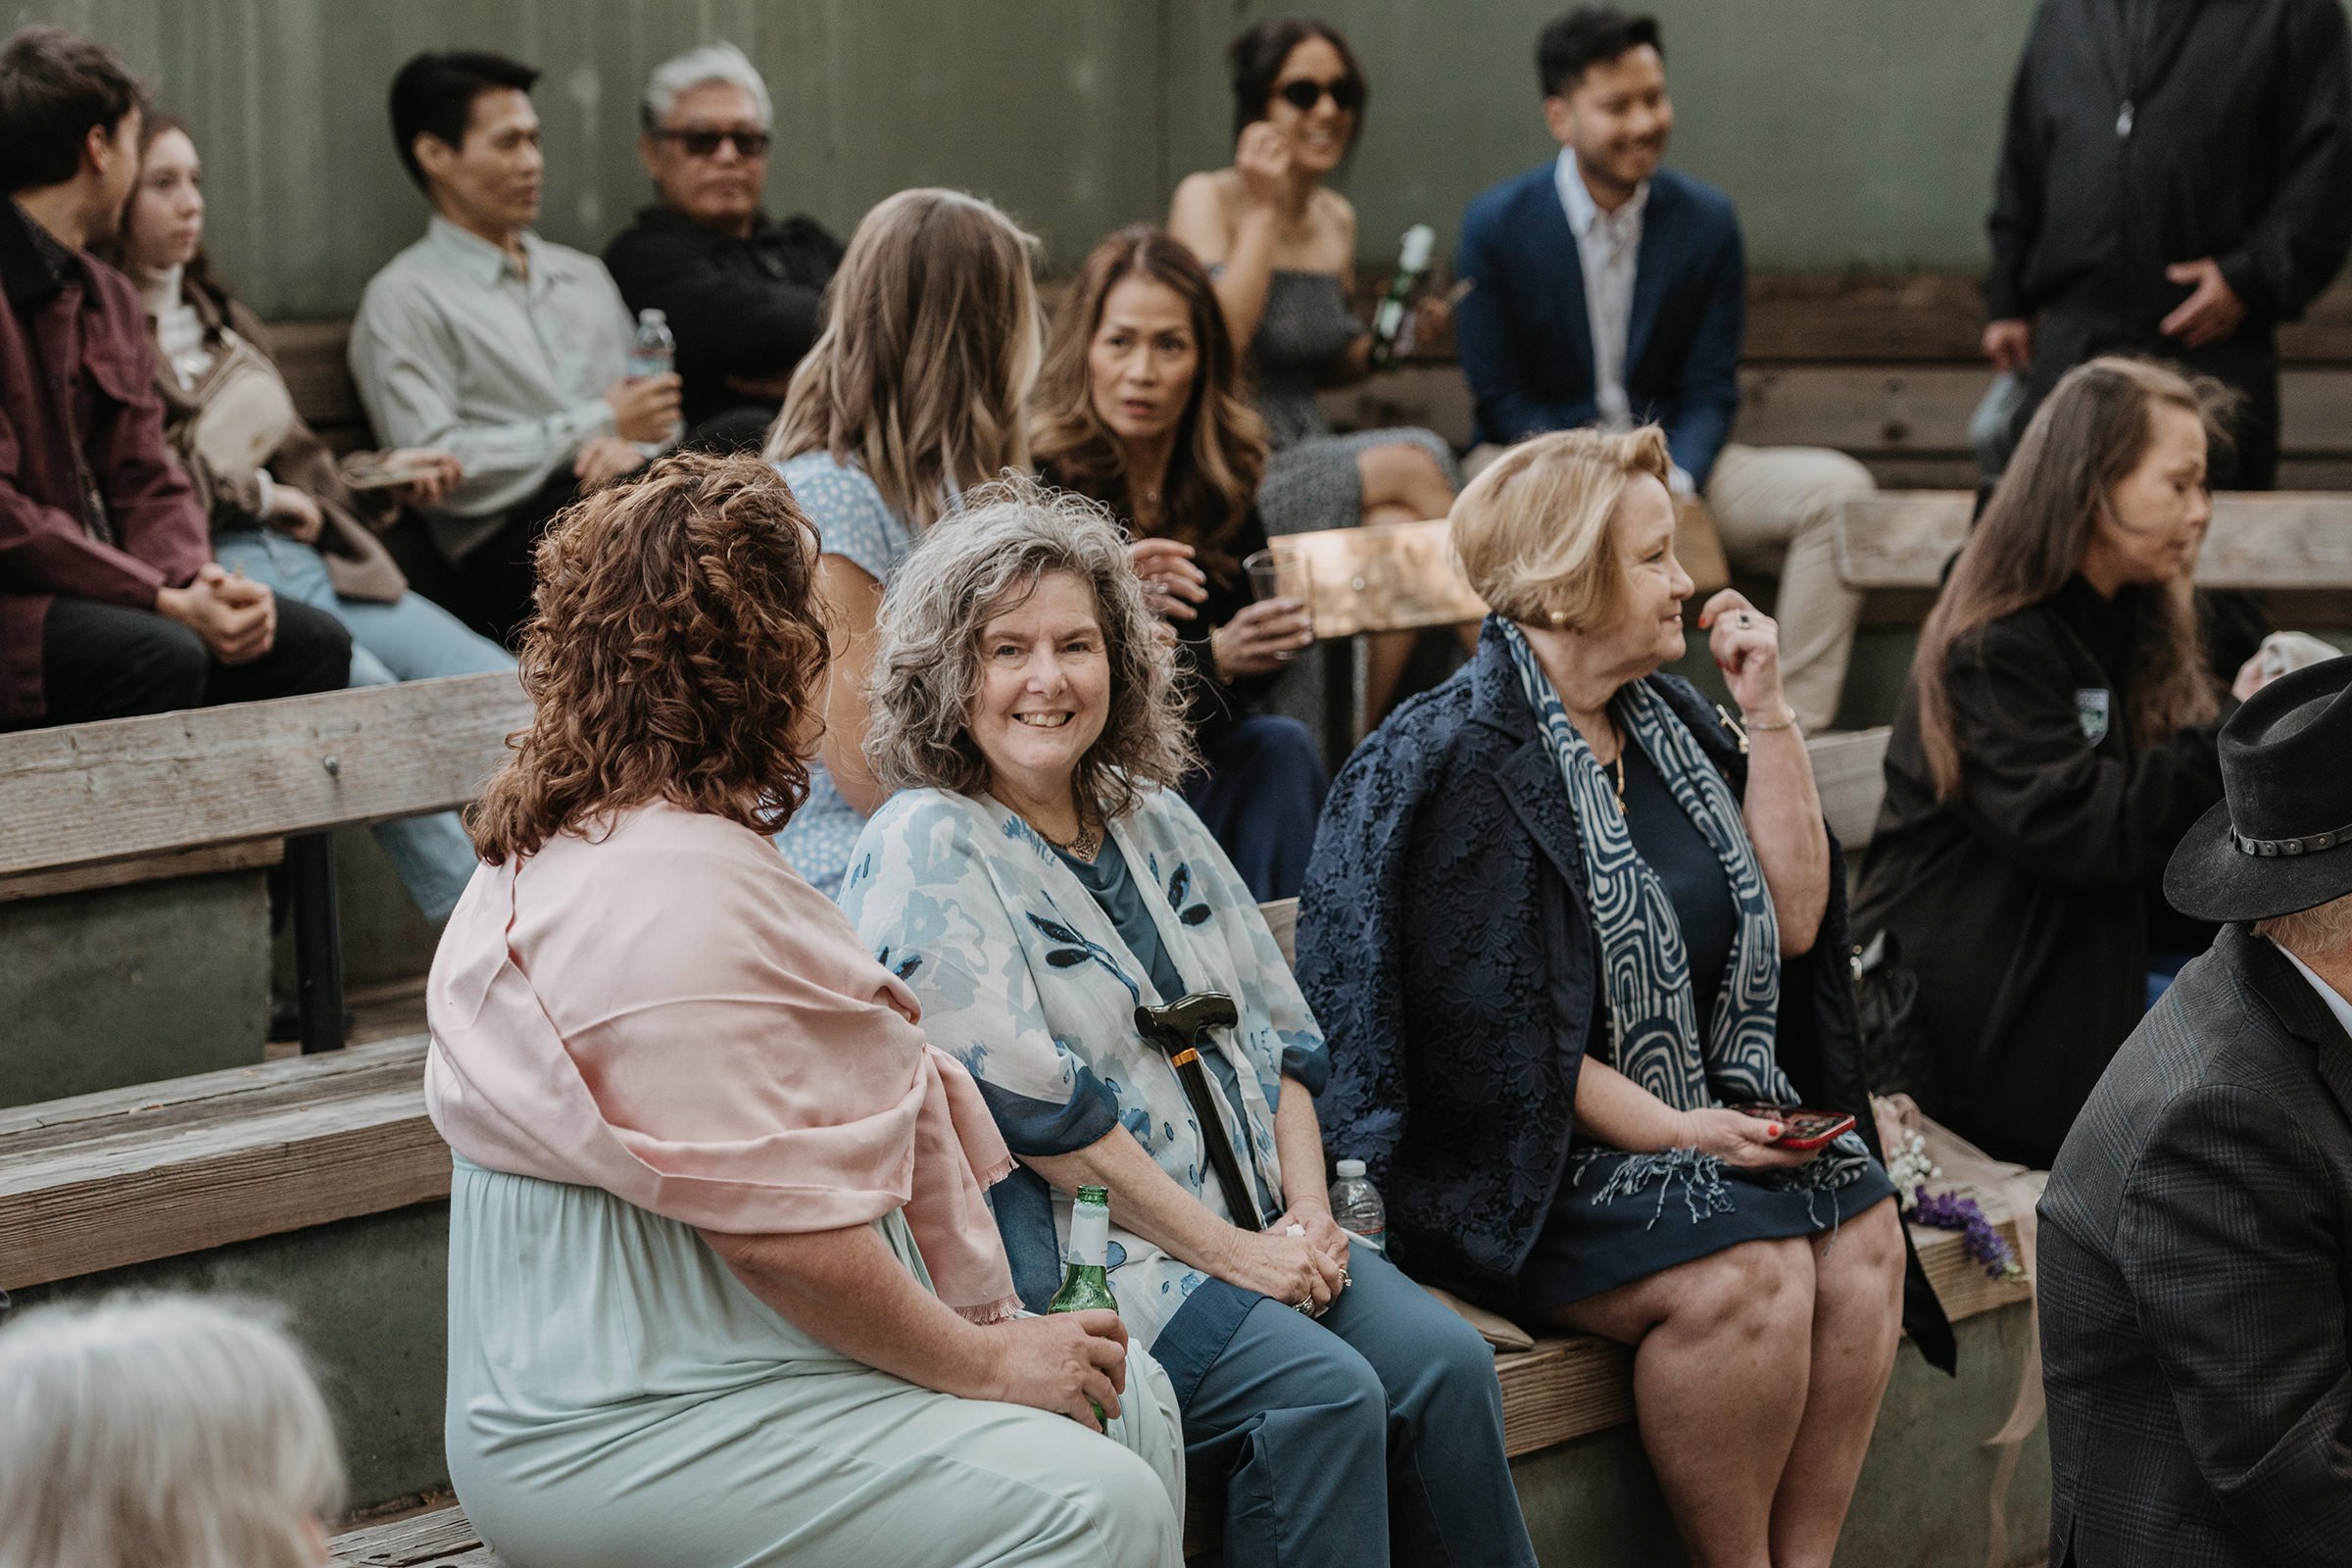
(410, 639)
(1372, 1434)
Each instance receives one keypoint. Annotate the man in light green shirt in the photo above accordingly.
(488, 342)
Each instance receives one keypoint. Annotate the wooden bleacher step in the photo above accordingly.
(2281, 541)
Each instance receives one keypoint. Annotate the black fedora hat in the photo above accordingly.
(2280, 839)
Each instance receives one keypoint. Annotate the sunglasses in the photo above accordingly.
(1347, 94)
(704, 143)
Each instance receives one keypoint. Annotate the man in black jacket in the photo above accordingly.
(742, 291)
(2196, 1234)
(2176, 179)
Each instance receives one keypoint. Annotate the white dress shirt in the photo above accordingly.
(2336, 1004)
(453, 347)
(1608, 245)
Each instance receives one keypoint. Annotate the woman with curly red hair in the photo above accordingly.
(722, 1284)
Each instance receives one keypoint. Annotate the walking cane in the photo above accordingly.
(1175, 1030)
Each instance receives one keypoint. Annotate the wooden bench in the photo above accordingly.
(206, 788)
(2281, 541)
(1886, 366)
(1564, 1388)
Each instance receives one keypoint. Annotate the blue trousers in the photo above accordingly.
(1370, 1436)
(1260, 795)
(410, 639)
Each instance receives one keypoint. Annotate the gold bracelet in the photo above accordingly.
(1756, 726)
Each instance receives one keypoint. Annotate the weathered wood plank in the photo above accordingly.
(2277, 541)
(1850, 773)
(147, 868)
(1901, 317)
(440, 1540)
(86, 1115)
(119, 1190)
(86, 794)
(1563, 1389)
(313, 357)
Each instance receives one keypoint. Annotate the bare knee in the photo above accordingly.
(1864, 1259)
(1753, 1289)
(1403, 474)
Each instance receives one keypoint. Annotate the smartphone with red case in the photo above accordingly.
(1802, 1129)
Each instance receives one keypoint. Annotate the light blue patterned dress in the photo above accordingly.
(853, 521)
(1025, 980)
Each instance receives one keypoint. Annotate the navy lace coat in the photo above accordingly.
(1445, 945)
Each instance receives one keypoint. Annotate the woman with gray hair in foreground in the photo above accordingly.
(1038, 881)
(160, 1430)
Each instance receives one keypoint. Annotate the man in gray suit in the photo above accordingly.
(2196, 1242)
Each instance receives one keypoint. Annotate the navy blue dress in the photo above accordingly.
(1589, 1244)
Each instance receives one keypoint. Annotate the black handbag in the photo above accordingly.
(1895, 1057)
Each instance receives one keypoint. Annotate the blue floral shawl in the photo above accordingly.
(1024, 979)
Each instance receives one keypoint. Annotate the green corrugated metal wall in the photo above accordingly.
(1852, 133)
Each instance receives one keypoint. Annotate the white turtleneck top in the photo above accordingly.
(179, 329)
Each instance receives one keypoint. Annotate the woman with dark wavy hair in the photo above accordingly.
(1281, 246)
(1139, 409)
(724, 1286)
(2057, 738)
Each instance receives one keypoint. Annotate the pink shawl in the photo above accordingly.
(666, 1011)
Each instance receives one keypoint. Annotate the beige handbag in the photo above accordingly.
(244, 413)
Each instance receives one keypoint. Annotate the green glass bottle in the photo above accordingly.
(1086, 1284)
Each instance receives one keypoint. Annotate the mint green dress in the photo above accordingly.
(619, 1398)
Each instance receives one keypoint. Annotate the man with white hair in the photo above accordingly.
(743, 291)
(2196, 1234)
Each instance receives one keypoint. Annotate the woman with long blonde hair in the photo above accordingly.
(2055, 741)
(913, 394)
(1140, 409)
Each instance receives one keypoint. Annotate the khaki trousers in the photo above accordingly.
(1776, 509)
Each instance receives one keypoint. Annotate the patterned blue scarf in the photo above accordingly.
(1653, 1019)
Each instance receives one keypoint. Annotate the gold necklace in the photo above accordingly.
(1617, 769)
(1082, 846)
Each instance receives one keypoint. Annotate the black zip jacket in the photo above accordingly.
(737, 307)
(2144, 133)
(2026, 904)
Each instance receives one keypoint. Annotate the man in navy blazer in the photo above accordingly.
(1607, 289)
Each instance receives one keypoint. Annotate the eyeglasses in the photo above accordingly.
(1347, 94)
(704, 143)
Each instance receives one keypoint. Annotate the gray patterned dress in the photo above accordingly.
(1312, 481)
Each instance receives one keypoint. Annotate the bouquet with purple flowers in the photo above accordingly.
(1909, 1165)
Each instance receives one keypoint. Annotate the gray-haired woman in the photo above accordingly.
(160, 1430)
(1038, 878)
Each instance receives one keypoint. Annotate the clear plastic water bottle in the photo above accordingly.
(1355, 1204)
(653, 351)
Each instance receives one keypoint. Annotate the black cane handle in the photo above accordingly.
(1175, 1030)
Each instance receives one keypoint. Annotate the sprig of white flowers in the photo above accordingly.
(1910, 1168)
